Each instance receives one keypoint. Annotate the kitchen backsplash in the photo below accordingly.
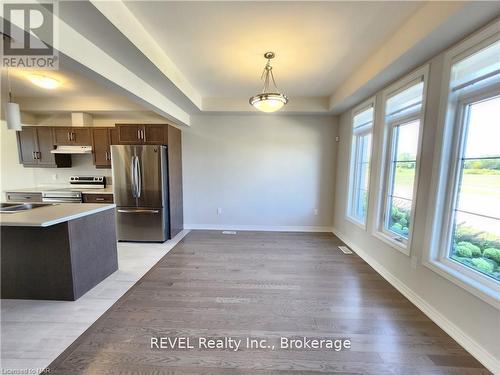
(81, 166)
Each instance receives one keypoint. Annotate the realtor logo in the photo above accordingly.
(30, 32)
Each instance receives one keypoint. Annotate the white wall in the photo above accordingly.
(268, 171)
(471, 321)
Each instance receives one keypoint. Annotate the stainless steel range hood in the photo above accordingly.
(72, 150)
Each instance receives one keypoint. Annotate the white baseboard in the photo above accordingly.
(263, 228)
(476, 350)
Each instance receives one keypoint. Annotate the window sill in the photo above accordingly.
(355, 222)
(393, 243)
(459, 275)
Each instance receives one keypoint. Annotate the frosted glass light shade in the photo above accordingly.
(268, 102)
(13, 116)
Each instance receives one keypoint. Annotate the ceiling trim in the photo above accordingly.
(77, 47)
(124, 20)
(431, 28)
(77, 104)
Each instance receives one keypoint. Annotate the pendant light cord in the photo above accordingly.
(8, 85)
(8, 75)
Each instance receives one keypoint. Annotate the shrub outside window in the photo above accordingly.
(359, 176)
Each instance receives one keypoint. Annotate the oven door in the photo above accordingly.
(62, 197)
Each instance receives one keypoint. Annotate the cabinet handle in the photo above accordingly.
(99, 199)
(143, 135)
(139, 134)
(38, 155)
(33, 155)
(69, 136)
(73, 136)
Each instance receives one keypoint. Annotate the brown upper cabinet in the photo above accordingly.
(101, 141)
(137, 134)
(35, 144)
(72, 136)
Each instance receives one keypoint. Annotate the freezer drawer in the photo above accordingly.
(142, 224)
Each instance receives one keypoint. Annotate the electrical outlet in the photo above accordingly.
(219, 211)
(315, 212)
(54, 177)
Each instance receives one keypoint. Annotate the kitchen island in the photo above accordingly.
(58, 251)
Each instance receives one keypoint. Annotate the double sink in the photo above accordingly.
(6, 208)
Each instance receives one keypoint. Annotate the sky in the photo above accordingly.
(484, 129)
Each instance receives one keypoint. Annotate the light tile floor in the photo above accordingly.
(33, 333)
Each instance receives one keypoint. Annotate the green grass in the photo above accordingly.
(487, 183)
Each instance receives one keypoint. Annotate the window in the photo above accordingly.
(464, 234)
(403, 123)
(362, 123)
(472, 217)
(402, 178)
(475, 232)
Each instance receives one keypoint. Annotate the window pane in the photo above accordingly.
(479, 190)
(476, 226)
(476, 243)
(483, 133)
(363, 118)
(407, 141)
(399, 216)
(404, 176)
(477, 65)
(406, 98)
(403, 164)
(359, 204)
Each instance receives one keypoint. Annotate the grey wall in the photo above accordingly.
(268, 171)
(478, 320)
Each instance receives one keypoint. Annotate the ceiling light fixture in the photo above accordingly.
(44, 81)
(12, 110)
(268, 101)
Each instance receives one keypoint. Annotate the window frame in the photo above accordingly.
(387, 145)
(355, 134)
(454, 174)
(446, 172)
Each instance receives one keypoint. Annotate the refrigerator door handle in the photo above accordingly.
(138, 210)
(132, 175)
(138, 181)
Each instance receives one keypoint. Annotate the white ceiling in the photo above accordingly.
(182, 58)
(218, 46)
(72, 84)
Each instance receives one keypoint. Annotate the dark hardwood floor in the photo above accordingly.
(264, 285)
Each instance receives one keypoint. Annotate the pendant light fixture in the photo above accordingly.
(12, 111)
(268, 100)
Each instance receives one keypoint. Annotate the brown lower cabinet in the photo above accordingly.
(35, 144)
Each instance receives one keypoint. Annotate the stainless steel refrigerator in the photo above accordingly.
(140, 187)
